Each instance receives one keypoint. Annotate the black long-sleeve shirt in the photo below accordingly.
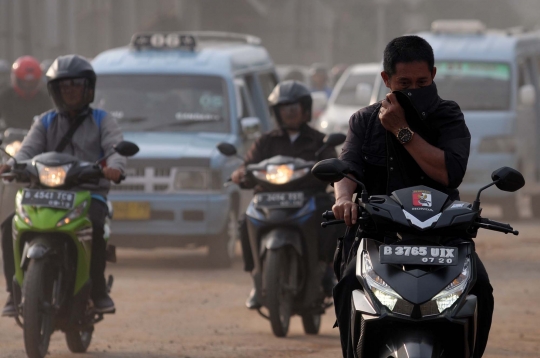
(379, 160)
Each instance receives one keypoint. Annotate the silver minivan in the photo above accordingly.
(494, 77)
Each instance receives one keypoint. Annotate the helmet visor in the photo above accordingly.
(70, 94)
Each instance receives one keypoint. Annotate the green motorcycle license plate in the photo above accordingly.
(57, 199)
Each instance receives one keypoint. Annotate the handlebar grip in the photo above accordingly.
(328, 215)
(496, 223)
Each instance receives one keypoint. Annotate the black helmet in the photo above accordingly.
(288, 92)
(71, 67)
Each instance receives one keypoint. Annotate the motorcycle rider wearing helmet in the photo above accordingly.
(291, 103)
(24, 99)
(71, 82)
(387, 155)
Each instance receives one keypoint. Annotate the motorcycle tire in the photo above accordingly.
(78, 341)
(311, 323)
(222, 247)
(279, 275)
(38, 316)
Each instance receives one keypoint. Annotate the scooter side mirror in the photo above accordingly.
(508, 179)
(334, 139)
(226, 149)
(330, 170)
(126, 149)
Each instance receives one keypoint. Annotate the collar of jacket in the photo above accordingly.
(424, 100)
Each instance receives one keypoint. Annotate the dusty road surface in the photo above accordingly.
(171, 304)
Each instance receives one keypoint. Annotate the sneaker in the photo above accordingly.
(9, 309)
(253, 302)
(104, 304)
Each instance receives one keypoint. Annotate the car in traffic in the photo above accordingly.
(177, 95)
(352, 92)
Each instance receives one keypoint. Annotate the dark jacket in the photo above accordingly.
(278, 142)
(379, 160)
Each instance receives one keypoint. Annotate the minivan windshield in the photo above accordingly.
(475, 86)
(165, 103)
(347, 94)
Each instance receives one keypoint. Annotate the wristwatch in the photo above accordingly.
(404, 135)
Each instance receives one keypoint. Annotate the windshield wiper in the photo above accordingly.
(183, 122)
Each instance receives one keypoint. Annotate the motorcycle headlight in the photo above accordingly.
(191, 180)
(52, 176)
(447, 297)
(13, 148)
(76, 212)
(384, 293)
(280, 174)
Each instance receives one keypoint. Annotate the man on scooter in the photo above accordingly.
(291, 103)
(71, 128)
(386, 155)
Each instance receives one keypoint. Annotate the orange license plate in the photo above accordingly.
(131, 210)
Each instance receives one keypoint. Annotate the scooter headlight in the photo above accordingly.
(280, 174)
(52, 176)
(384, 293)
(76, 212)
(447, 297)
(13, 148)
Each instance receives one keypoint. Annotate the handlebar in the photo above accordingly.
(496, 226)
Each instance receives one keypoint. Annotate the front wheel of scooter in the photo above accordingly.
(38, 312)
(78, 341)
(280, 271)
(311, 323)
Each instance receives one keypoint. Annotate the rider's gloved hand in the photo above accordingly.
(112, 174)
(238, 175)
(345, 209)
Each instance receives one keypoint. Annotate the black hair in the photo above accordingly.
(408, 48)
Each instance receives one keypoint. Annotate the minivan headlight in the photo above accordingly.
(384, 293)
(191, 180)
(447, 297)
(52, 176)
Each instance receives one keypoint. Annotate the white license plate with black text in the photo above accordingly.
(57, 199)
(418, 255)
(280, 200)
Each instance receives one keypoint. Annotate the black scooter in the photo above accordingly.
(416, 300)
(282, 224)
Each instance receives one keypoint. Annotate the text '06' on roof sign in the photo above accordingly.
(170, 40)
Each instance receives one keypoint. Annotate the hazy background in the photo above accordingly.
(294, 31)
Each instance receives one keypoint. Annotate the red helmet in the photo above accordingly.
(26, 76)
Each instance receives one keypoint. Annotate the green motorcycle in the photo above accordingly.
(52, 243)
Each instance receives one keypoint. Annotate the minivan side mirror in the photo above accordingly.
(126, 149)
(527, 95)
(508, 179)
(251, 127)
(226, 149)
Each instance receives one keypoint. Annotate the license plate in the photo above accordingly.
(131, 210)
(418, 255)
(48, 198)
(280, 200)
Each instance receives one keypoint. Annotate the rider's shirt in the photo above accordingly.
(378, 159)
(90, 142)
(278, 142)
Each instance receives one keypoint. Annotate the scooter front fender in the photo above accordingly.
(281, 237)
(411, 344)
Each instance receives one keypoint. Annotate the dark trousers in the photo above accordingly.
(348, 283)
(97, 213)
(327, 241)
